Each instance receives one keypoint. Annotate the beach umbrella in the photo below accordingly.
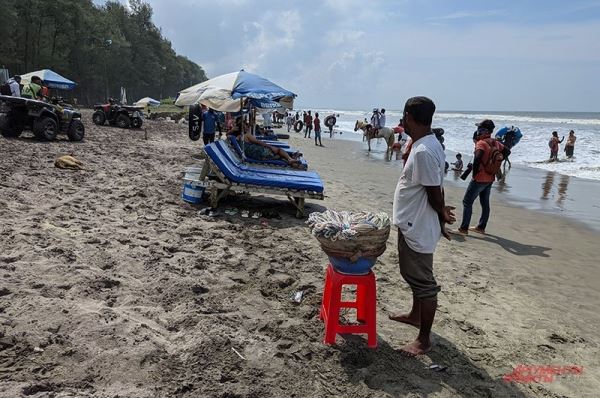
(50, 79)
(147, 101)
(223, 93)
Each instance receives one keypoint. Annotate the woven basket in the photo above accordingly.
(366, 243)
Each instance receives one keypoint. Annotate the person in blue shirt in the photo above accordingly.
(210, 126)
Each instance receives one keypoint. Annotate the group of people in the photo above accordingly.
(310, 123)
(555, 147)
(34, 89)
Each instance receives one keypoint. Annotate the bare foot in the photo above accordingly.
(406, 318)
(416, 348)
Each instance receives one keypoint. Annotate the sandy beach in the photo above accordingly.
(112, 286)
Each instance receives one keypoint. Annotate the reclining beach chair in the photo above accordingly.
(232, 175)
(235, 145)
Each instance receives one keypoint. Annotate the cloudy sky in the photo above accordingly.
(350, 54)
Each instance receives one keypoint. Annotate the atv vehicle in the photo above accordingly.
(116, 114)
(44, 119)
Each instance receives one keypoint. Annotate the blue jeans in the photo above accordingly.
(475, 189)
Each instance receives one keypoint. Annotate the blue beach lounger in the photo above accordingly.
(233, 175)
(275, 162)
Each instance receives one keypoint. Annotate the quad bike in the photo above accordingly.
(46, 120)
(119, 115)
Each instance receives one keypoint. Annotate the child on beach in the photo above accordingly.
(570, 145)
(458, 165)
(553, 144)
(317, 125)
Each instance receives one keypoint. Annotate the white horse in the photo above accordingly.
(369, 133)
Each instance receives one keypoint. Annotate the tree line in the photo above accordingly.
(101, 48)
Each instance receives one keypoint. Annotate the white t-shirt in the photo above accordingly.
(413, 214)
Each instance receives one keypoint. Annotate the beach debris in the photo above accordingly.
(68, 162)
(213, 213)
(298, 296)
(245, 213)
(38, 349)
(205, 211)
(437, 368)
(238, 353)
(231, 212)
(256, 215)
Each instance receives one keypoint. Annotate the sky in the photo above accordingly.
(510, 55)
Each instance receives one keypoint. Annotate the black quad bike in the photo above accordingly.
(46, 120)
(119, 115)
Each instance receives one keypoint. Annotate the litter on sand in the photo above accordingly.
(238, 354)
(437, 368)
(245, 213)
(297, 297)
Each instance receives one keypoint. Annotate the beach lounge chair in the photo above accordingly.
(232, 175)
(275, 162)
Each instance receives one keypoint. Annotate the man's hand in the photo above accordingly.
(448, 214)
(447, 217)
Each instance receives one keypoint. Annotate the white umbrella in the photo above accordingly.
(147, 101)
(223, 93)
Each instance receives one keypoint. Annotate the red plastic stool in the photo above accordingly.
(365, 304)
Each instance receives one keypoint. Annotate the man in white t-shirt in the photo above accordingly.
(420, 215)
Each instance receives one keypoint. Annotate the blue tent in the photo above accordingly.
(50, 79)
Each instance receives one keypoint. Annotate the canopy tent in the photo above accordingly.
(147, 101)
(223, 93)
(50, 78)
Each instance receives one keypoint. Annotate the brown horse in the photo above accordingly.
(369, 133)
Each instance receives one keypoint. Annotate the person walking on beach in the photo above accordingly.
(308, 121)
(570, 145)
(420, 215)
(289, 120)
(317, 123)
(487, 162)
(209, 119)
(554, 147)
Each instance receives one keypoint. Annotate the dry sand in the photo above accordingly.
(113, 287)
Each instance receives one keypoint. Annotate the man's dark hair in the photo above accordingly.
(17, 78)
(382, 110)
(36, 79)
(421, 109)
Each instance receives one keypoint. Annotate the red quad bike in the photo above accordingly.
(119, 115)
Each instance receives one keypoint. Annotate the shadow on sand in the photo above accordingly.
(386, 369)
(274, 212)
(516, 248)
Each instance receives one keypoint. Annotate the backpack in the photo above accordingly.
(495, 158)
(5, 89)
(550, 143)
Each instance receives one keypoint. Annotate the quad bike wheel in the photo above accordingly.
(136, 123)
(123, 121)
(7, 127)
(76, 130)
(45, 128)
(99, 118)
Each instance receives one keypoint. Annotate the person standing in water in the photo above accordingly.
(554, 147)
(570, 145)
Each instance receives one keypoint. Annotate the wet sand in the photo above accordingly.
(112, 286)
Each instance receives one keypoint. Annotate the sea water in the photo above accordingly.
(532, 150)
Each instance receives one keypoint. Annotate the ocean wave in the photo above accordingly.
(515, 119)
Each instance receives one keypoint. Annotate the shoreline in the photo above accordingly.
(547, 192)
